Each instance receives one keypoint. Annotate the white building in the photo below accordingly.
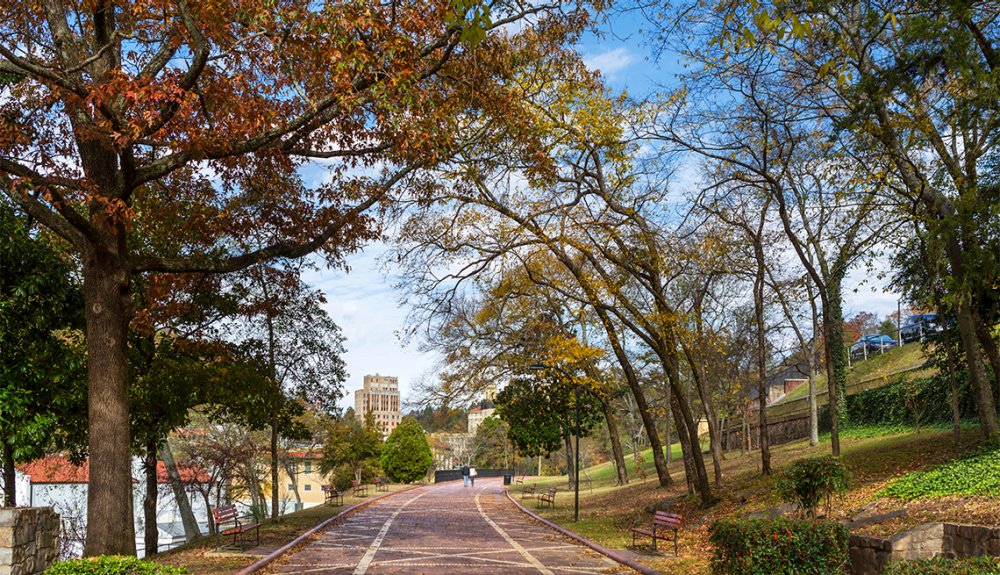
(56, 482)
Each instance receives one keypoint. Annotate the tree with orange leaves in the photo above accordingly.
(159, 135)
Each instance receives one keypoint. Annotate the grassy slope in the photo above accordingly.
(874, 372)
(607, 511)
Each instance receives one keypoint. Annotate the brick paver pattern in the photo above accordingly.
(443, 529)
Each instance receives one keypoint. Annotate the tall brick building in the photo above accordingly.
(380, 397)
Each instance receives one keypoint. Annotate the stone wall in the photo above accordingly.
(29, 540)
(870, 555)
(780, 430)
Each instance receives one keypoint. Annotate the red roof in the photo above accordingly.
(188, 474)
(305, 454)
(56, 469)
(59, 469)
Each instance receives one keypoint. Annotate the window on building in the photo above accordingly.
(308, 467)
(308, 487)
(291, 487)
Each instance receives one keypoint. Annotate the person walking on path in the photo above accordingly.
(465, 476)
(472, 475)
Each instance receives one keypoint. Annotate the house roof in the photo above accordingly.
(59, 469)
(304, 454)
(56, 469)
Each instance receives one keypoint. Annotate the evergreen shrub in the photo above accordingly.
(778, 547)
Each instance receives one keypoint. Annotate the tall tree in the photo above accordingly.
(42, 385)
(133, 118)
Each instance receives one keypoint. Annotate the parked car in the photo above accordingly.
(875, 343)
(918, 326)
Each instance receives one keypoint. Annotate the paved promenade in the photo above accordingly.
(443, 529)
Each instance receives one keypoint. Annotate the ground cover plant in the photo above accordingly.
(945, 566)
(975, 474)
(113, 565)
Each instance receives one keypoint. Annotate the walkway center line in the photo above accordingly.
(373, 548)
(517, 546)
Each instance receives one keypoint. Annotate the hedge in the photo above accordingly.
(778, 547)
(894, 403)
(112, 565)
(943, 566)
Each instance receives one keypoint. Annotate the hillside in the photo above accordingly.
(907, 361)
(875, 457)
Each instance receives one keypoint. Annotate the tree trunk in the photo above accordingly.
(569, 457)
(813, 367)
(668, 443)
(836, 359)
(977, 371)
(151, 534)
(274, 470)
(765, 449)
(616, 442)
(689, 435)
(648, 421)
(990, 347)
(714, 433)
(684, 437)
(9, 475)
(191, 530)
(110, 519)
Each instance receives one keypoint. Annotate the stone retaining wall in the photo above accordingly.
(29, 540)
(870, 555)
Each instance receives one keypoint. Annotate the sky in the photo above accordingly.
(372, 313)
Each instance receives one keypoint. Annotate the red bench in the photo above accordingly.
(333, 496)
(228, 522)
(381, 484)
(664, 526)
(548, 497)
(360, 489)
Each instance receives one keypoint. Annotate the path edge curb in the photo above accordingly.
(613, 555)
(270, 558)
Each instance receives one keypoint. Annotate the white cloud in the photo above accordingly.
(611, 62)
(366, 306)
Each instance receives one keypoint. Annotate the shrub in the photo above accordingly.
(112, 565)
(342, 477)
(812, 480)
(943, 566)
(778, 547)
(406, 455)
(975, 474)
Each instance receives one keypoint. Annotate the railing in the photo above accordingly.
(441, 475)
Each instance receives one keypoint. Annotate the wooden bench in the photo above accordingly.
(333, 496)
(228, 522)
(381, 484)
(519, 480)
(528, 491)
(360, 489)
(548, 497)
(664, 526)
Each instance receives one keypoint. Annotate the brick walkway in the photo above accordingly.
(444, 529)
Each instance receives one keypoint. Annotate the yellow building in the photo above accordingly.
(306, 479)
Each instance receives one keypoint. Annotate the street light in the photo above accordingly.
(576, 457)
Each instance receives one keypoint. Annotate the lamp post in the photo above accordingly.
(576, 456)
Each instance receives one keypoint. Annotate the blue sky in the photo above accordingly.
(370, 311)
